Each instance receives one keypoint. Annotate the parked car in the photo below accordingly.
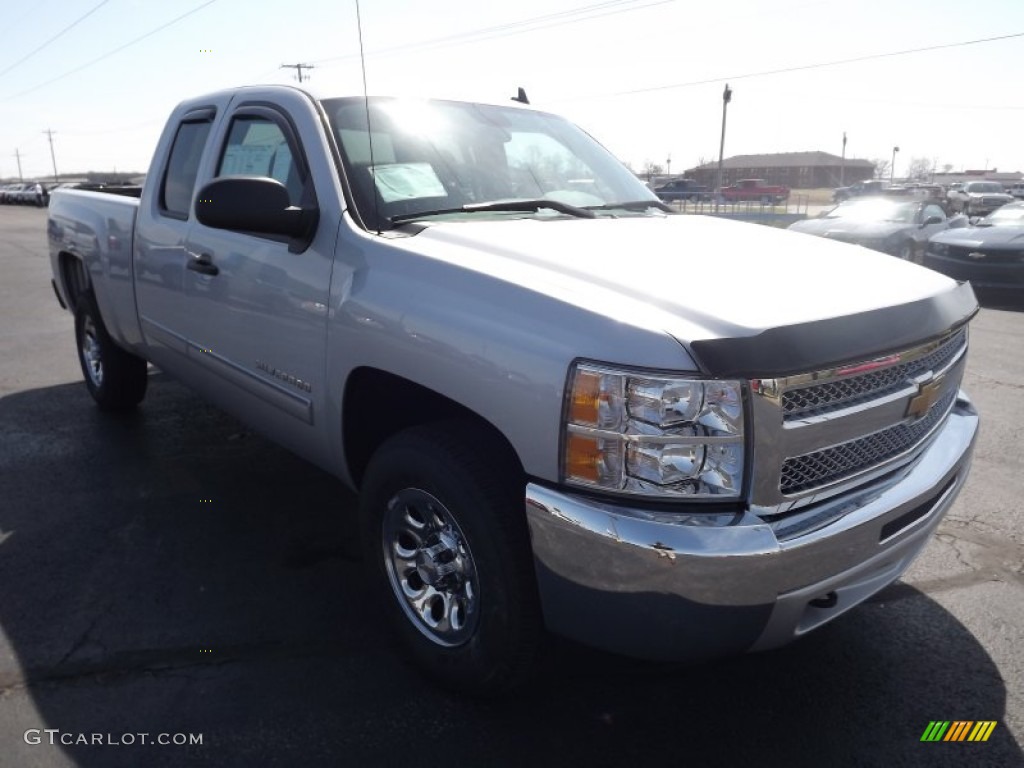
(860, 189)
(1016, 189)
(26, 193)
(990, 254)
(12, 193)
(682, 189)
(977, 198)
(754, 190)
(674, 437)
(895, 226)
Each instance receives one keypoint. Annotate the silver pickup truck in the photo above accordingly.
(673, 437)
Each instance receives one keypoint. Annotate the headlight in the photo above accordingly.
(939, 249)
(637, 433)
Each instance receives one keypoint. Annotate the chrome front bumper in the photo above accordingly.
(679, 586)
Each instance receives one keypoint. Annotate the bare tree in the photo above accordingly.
(652, 169)
(947, 167)
(882, 165)
(919, 169)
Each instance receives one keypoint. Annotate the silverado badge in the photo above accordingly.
(927, 395)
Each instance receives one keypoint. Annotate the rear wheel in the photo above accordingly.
(445, 540)
(116, 379)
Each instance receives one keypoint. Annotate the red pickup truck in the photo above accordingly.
(756, 190)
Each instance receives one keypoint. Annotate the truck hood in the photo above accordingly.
(847, 229)
(977, 237)
(694, 277)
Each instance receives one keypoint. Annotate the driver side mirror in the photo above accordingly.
(254, 204)
(932, 220)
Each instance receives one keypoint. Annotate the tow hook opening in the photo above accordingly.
(826, 601)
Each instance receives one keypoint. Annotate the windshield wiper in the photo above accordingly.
(501, 205)
(632, 205)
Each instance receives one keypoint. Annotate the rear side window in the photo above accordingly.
(183, 167)
(257, 146)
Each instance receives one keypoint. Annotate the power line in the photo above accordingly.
(586, 13)
(803, 67)
(111, 53)
(73, 24)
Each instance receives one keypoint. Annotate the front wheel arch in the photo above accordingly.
(366, 426)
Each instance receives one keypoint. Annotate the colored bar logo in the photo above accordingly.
(958, 730)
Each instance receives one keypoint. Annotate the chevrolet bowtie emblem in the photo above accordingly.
(927, 395)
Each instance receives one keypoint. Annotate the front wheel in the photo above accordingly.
(445, 540)
(116, 379)
(906, 251)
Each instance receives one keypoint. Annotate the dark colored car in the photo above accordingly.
(899, 227)
(682, 189)
(860, 189)
(989, 254)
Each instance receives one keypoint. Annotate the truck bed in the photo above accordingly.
(98, 227)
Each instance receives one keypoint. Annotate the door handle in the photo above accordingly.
(203, 263)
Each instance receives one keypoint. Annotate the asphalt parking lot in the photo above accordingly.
(172, 573)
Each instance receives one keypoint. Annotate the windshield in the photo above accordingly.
(1007, 216)
(875, 210)
(438, 156)
(984, 187)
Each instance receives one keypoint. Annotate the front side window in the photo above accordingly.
(257, 146)
(183, 167)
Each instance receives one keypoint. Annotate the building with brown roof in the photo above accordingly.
(796, 170)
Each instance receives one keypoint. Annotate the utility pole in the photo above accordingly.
(298, 68)
(17, 154)
(892, 165)
(842, 166)
(53, 157)
(726, 98)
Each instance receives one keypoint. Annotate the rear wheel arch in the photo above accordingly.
(74, 278)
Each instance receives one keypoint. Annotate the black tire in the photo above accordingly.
(116, 379)
(478, 628)
(906, 251)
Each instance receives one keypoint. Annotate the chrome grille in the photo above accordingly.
(826, 466)
(836, 394)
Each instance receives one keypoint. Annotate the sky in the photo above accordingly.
(645, 77)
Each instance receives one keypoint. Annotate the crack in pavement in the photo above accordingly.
(997, 382)
(80, 642)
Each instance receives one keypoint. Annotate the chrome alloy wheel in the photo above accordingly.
(430, 567)
(91, 353)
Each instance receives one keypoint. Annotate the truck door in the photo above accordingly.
(257, 311)
(162, 226)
